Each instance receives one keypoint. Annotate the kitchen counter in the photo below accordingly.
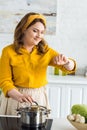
(62, 124)
(13, 123)
(68, 79)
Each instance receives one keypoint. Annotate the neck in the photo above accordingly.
(29, 48)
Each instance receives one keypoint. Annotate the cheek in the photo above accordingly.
(28, 36)
(42, 35)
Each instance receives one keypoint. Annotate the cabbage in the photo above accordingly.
(80, 109)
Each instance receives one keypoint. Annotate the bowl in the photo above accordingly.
(78, 126)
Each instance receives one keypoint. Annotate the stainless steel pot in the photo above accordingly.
(34, 116)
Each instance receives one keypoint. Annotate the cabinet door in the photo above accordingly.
(85, 94)
(63, 97)
(73, 95)
(77, 94)
(54, 94)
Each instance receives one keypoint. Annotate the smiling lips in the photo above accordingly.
(37, 39)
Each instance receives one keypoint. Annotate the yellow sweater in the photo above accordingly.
(26, 70)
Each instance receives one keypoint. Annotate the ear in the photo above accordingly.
(24, 31)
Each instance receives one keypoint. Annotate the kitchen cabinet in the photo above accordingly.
(64, 91)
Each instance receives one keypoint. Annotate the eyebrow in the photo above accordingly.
(38, 29)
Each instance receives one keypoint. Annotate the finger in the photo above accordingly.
(56, 59)
(62, 57)
(66, 60)
(59, 58)
(25, 99)
(29, 99)
(20, 100)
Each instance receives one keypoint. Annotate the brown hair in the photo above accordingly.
(18, 34)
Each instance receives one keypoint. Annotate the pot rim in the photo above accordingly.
(33, 108)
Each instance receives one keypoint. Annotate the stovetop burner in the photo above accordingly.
(13, 123)
(47, 126)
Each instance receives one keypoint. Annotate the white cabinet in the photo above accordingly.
(65, 91)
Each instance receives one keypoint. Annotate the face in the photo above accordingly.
(34, 34)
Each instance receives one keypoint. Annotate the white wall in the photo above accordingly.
(71, 36)
(71, 32)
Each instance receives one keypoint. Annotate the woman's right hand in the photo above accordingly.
(15, 94)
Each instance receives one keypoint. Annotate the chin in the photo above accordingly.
(36, 43)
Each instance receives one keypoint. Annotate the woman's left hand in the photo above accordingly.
(60, 60)
(63, 60)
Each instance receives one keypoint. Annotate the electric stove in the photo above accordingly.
(14, 123)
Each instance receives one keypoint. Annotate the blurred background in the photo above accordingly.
(66, 25)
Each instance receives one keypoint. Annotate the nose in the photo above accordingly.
(38, 35)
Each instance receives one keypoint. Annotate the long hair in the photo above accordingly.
(19, 34)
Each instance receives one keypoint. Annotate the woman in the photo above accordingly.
(24, 64)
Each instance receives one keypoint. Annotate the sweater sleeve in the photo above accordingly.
(6, 82)
(68, 71)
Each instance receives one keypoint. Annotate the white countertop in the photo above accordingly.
(62, 124)
(68, 79)
(57, 124)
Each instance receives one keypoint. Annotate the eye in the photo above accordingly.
(42, 32)
(34, 30)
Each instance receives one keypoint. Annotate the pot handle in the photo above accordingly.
(35, 103)
(47, 111)
(18, 112)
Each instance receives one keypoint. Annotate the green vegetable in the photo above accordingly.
(80, 109)
(56, 71)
